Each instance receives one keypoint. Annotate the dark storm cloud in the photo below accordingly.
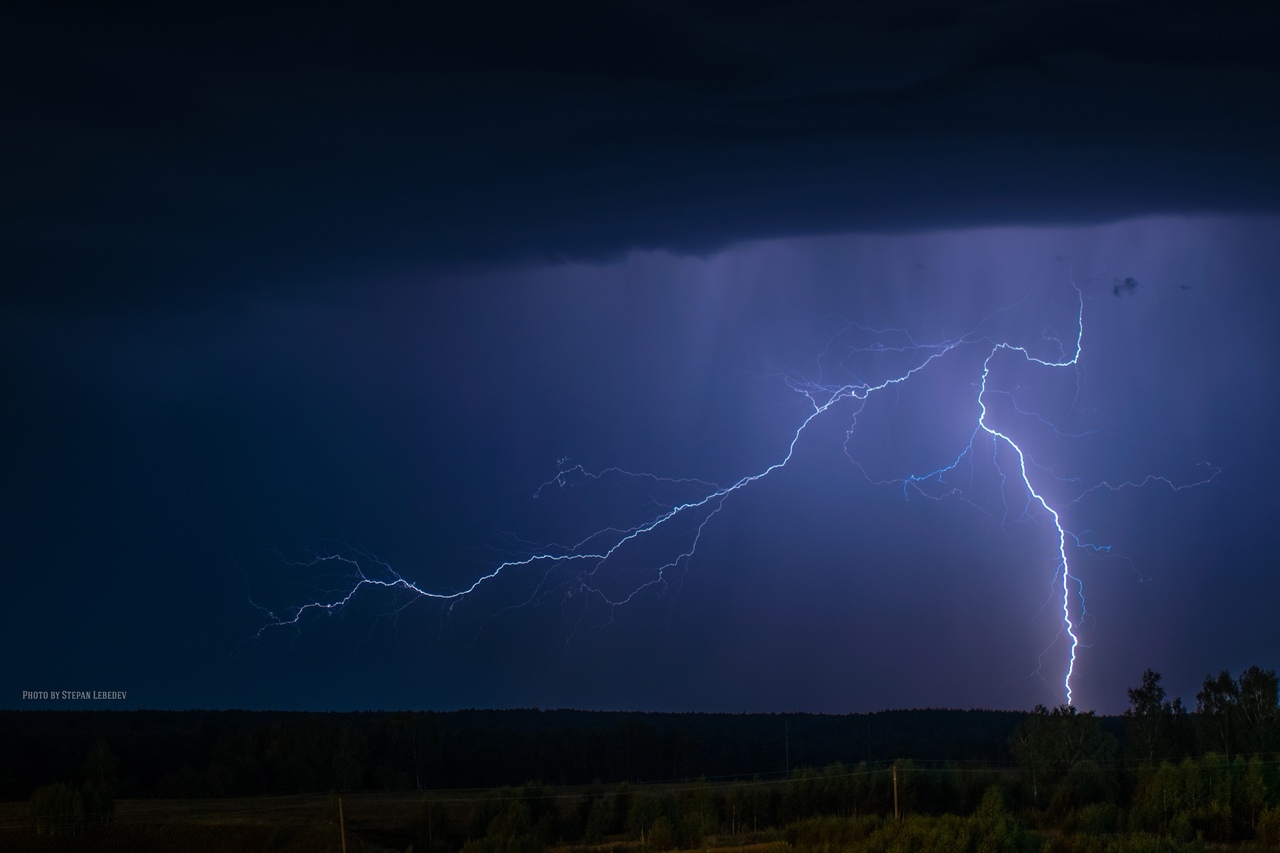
(159, 155)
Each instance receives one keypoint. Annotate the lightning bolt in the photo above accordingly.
(615, 564)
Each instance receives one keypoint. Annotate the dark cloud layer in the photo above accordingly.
(163, 155)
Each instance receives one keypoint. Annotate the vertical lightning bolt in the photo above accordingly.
(1064, 567)
(613, 565)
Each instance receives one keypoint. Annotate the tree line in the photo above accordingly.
(247, 753)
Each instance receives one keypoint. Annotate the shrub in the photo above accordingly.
(1097, 819)
(57, 809)
(662, 836)
(1269, 827)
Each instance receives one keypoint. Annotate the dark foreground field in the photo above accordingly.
(374, 822)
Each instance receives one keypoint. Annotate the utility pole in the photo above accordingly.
(897, 815)
(342, 826)
(786, 729)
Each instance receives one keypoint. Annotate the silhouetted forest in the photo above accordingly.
(240, 753)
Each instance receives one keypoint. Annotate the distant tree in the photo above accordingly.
(662, 835)
(1064, 755)
(1259, 710)
(597, 814)
(622, 796)
(738, 808)
(644, 812)
(512, 827)
(1253, 790)
(414, 738)
(997, 830)
(435, 826)
(101, 782)
(699, 809)
(799, 795)
(1162, 791)
(486, 810)
(57, 809)
(905, 769)
(349, 756)
(1151, 719)
(510, 820)
(1215, 814)
(1269, 827)
(750, 805)
(1217, 706)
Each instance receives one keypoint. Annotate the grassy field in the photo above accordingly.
(375, 822)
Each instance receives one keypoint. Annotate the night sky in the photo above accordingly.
(435, 291)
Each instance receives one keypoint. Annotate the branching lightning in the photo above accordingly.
(616, 564)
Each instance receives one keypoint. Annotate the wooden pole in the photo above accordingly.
(342, 826)
(897, 815)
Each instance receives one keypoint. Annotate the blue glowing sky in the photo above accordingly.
(280, 290)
